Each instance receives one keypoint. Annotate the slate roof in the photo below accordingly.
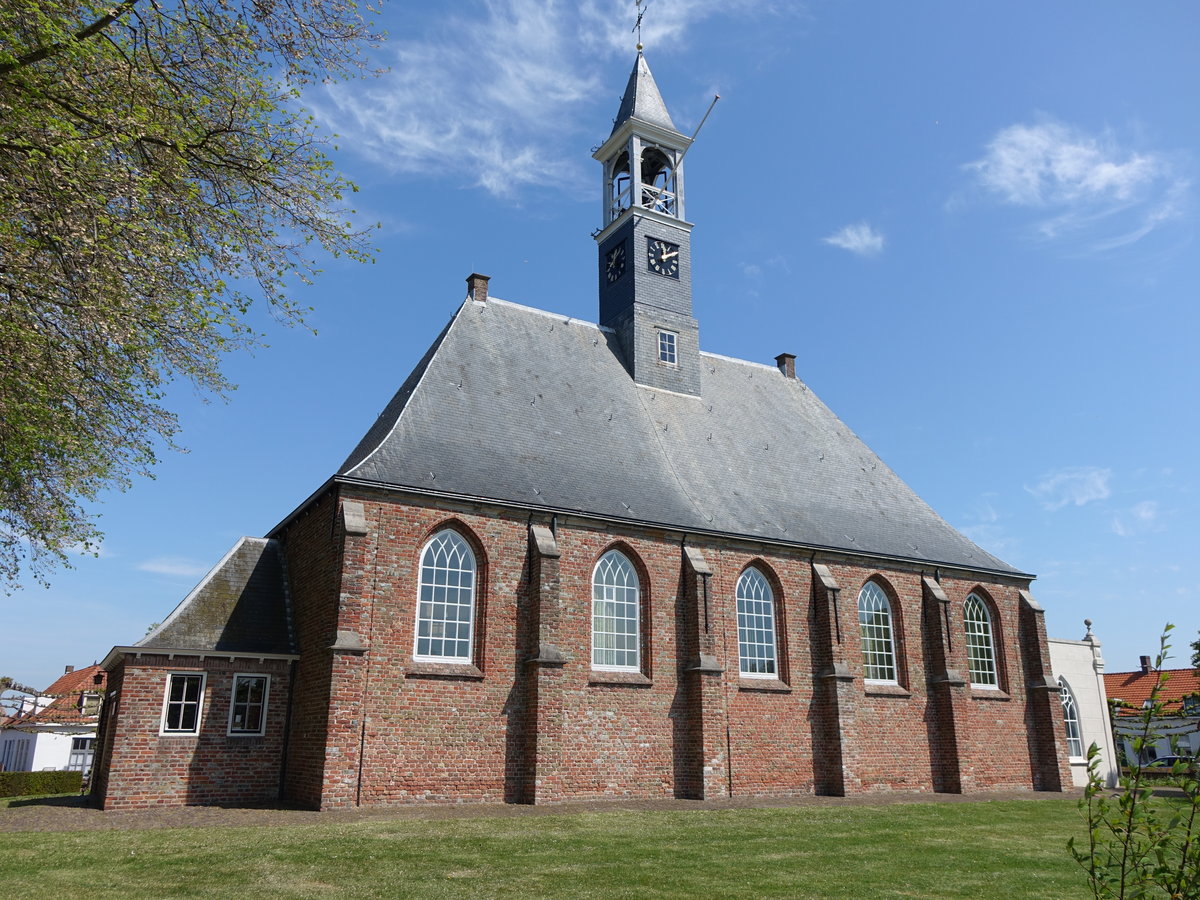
(519, 405)
(642, 100)
(241, 606)
(1134, 688)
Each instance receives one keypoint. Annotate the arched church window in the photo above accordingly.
(658, 181)
(875, 623)
(446, 601)
(616, 614)
(981, 645)
(1070, 719)
(756, 626)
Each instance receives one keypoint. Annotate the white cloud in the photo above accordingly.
(1093, 189)
(607, 25)
(987, 530)
(1074, 486)
(859, 238)
(173, 566)
(1140, 518)
(493, 95)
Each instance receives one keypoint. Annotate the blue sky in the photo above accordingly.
(974, 224)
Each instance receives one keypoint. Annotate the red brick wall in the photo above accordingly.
(148, 769)
(313, 562)
(431, 736)
(993, 751)
(400, 732)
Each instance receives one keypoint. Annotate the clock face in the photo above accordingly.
(662, 257)
(614, 266)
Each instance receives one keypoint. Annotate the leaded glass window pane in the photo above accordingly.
(981, 647)
(875, 623)
(616, 614)
(446, 600)
(249, 704)
(181, 712)
(1071, 719)
(756, 625)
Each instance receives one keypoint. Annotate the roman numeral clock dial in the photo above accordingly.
(662, 257)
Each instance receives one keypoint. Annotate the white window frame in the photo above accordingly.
(427, 601)
(617, 594)
(14, 755)
(230, 731)
(668, 345)
(1071, 722)
(163, 731)
(755, 604)
(878, 649)
(978, 665)
(80, 760)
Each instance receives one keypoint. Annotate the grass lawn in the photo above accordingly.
(984, 849)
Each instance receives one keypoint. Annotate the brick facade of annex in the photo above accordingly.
(361, 723)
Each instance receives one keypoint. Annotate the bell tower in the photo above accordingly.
(645, 257)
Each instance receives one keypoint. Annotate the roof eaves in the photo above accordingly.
(117, 653)
(1013, 575)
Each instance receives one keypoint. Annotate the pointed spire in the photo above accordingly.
(642, 99)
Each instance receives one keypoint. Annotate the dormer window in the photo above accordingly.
(666, 348)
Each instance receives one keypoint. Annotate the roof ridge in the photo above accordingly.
(744, 362)
(558, 317)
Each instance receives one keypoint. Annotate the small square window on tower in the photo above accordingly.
(666, 348)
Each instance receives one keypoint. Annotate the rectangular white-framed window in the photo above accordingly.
(248, 705)
(82, 749)
(667, 348)
(14, 755)
(183, 702)
(89, 703)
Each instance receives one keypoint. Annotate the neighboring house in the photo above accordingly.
(1129, 693)
(55, 729)
(576, 561)
(1078, 667)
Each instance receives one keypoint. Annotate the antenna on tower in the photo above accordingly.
(637, 26)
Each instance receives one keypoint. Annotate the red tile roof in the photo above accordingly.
(65, 708)
(1133, 688)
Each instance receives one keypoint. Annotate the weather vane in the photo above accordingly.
(637, 26)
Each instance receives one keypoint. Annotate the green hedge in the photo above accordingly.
(26, 784)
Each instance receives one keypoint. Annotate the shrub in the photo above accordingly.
(1139, 846)
(26, 784)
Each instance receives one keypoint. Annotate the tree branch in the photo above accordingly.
(35, 56)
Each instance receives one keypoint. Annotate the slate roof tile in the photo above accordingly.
(240, 606)
(518, 405)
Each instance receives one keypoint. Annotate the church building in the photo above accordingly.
(576, 561)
